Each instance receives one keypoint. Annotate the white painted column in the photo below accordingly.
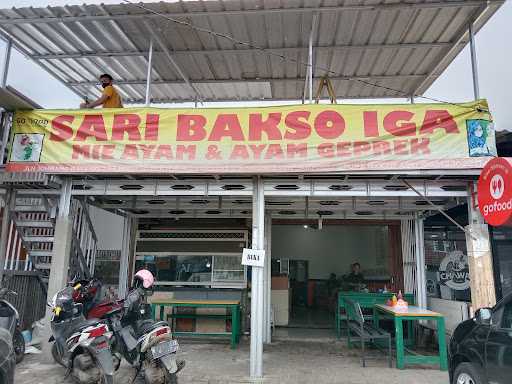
(474, 63)
(125, 257)
(421, 279)
(267, 333)
(257, 291)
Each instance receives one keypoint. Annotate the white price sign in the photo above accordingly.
(253, 257)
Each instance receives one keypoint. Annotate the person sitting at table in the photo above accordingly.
(355, 278)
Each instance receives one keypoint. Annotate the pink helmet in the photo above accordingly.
(146, 277)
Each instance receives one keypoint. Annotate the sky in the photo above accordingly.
(493, 47)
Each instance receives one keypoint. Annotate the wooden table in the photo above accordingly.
(366, 301)
(233, 306)
(410, 314)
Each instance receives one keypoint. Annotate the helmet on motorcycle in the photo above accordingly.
(145, 277)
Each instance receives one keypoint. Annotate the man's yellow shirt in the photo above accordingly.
(114, 100)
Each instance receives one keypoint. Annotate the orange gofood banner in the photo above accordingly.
(295, 138)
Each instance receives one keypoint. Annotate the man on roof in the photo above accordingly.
(109, 98)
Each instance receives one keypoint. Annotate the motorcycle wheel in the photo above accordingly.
(56, 355)
(18, 342)
(171, 378)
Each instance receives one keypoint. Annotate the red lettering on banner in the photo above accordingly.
(239, 152)
(397, 124)
(295, 121)
(186, 150)
(438, 119)
(79, 150)
(371, 127)
(152, 125)
(226, 125)
(270, 126)
(296, 149)
(420, 146)
(400, 147)
(326, 150)
(62, 131)
(92, 126)
(130, 152)
(96, 150)
(191, 128)
(126, 123)
(257, 150)
(147, 150)
(274, 151)
(329, 124)
(343, 148)
(361, 148)
(163, 151)
(107, 152)
(381, 148)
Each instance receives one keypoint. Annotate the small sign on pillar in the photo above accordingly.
(253, 257)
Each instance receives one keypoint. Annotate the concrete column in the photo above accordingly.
(9, 197)
(483, 293)
(60, 258)
(257, 291)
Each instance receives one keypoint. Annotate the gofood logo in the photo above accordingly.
(497, 187)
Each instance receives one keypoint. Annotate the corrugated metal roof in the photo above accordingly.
(396, 45)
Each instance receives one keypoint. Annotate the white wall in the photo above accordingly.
(108, 228)
(332, 249)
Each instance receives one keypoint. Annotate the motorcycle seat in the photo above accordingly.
(87, 323)
(150, 326)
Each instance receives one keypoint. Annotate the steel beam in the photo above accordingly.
(206, 52)
(5, 64)
(252, 80)
(5, 232)
(249, 12)
(170, 57)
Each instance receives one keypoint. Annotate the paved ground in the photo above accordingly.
(285, 362)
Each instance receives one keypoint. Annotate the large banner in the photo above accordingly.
(282, 139)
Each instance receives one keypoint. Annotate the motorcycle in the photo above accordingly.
(12, 324)
(147, 345)
(82, 346)
(8, 317)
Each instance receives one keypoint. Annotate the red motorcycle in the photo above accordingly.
(89, 295)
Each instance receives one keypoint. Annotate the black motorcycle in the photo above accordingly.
(11, 321)
(145, 344)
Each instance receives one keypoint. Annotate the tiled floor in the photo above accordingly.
(297, 356)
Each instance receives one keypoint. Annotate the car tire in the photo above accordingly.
(467, 373)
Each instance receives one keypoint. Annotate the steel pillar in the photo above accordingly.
(474, 63)
(267, 333)
(5, 64)
(148, 76)
(421, 282)
(257, 289)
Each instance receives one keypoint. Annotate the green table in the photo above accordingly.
(232, 306)
(366, 301)
(410, 314)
